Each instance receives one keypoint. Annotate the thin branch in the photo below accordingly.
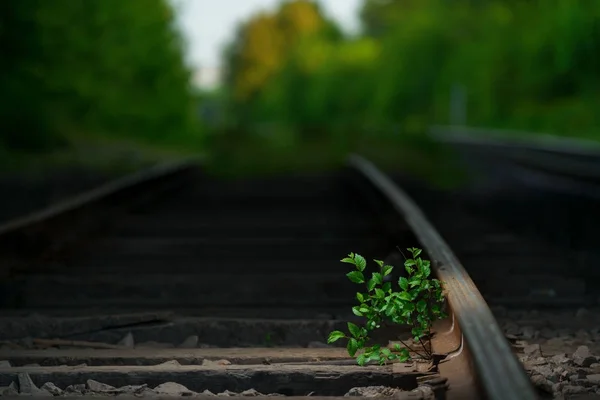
(425, 347)
(411, 349)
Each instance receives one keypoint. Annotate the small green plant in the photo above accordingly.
(268, 340)
(418, 303)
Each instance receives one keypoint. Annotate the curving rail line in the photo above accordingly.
(478, 361)
(500, 373)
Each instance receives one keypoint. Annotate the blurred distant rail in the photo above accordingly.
(545, 161)
(537, 186)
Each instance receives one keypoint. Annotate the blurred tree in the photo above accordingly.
(263, 44)
(523, 64)
(25, 122)
(379, 16)
(102, 67)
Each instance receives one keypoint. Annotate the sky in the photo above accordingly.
(209, 24)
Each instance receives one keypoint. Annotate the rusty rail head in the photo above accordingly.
(500, 373)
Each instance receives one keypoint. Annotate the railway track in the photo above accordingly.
(173, 278)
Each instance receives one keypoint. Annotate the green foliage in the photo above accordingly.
(417, 303)
(526, 65)
(100, 67)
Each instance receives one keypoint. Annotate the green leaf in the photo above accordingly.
(360, 297)
(404, 355)
(414, 281)
(417, 333)
(380, 294)
(360, 262)
(379, 262)
(361, 360)
(335, 336)
(354, 330)
(352, 347)
(403, 283)
(386, 270)
(356, 276)
(378, 278)
(405, 296)
(421, 306)
(389, 310)
(410, 307)
(364, 310)
(356, 311)
(375, 356)
(415, 252)
(347, 260)
(409, 263)
(387, 287)
(426, 271)
(371, 284)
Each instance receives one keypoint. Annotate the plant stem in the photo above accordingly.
(411, 349)
(425, 348)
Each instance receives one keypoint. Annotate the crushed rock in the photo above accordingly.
(372, 391)
(93, 388)
(562, 375)
(425, 392)
(191, 342)
(127, 341)
(173, 389)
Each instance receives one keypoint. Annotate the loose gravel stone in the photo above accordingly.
(127, 341)
(251, 392)
(540, 382)
(533, 350)
(372, 391)
(583, 357)
(99, 387)
(191, 342)
(10, 390)
(78, 388)
(594, 379)
(227, 393)
(528, 332)
(561, 375)
(170, 363)
(570, 389)
(52, 389)
(26, 386)
(173, 389)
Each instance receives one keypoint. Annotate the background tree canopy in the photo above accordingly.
(523, 64)
(73, 67)
(296, 87)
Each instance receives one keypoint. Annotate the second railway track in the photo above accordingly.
(168, 275)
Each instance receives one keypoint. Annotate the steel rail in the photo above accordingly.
(34, 226)
(499, 372)
(516, 140)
